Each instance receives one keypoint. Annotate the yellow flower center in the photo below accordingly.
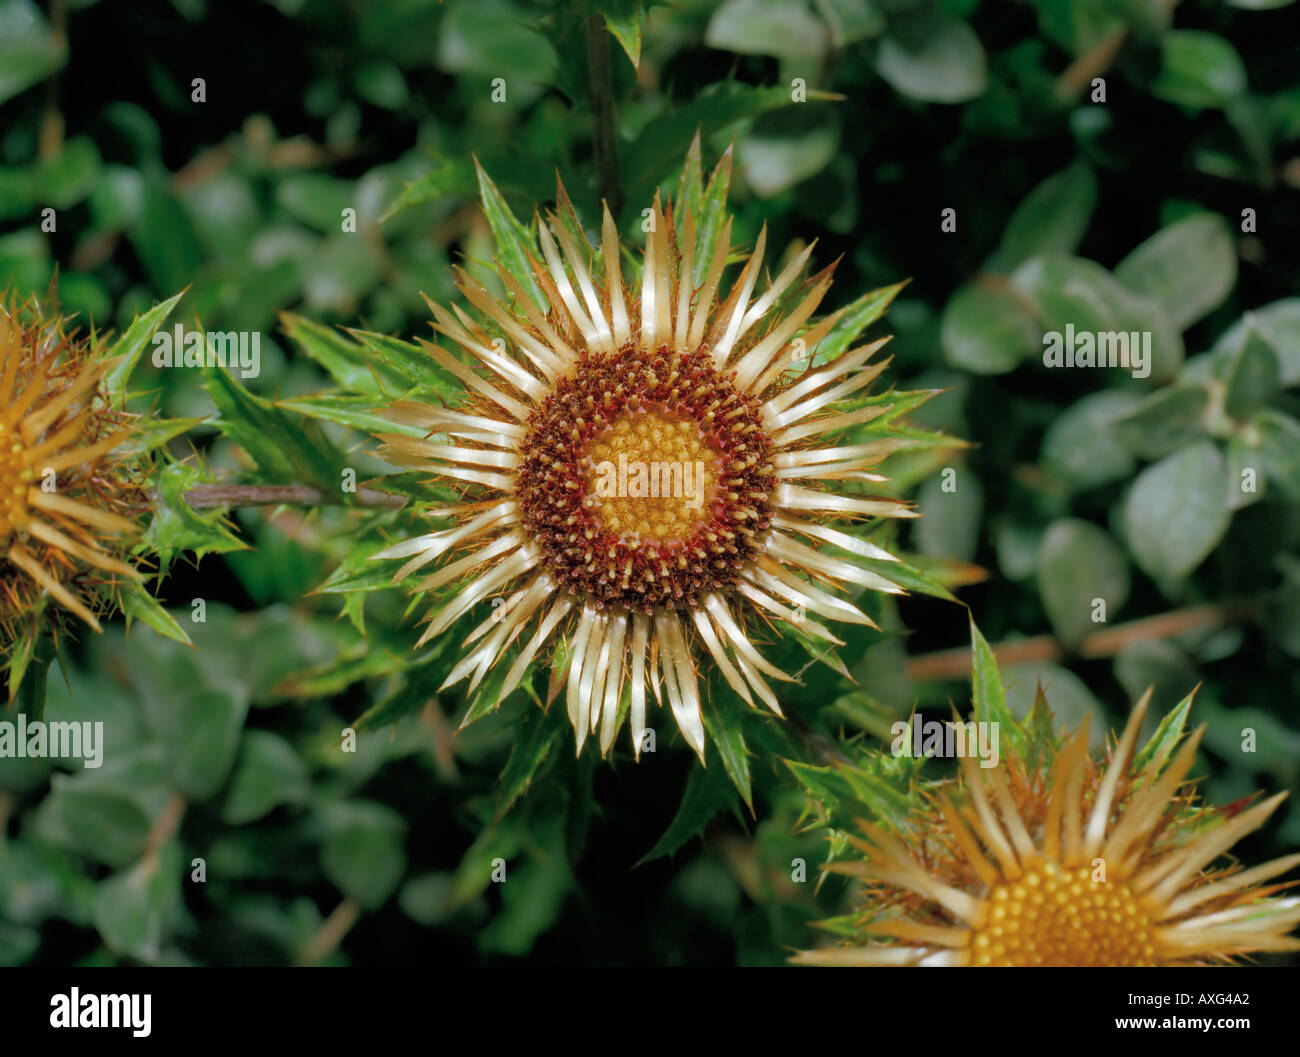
(645, 479)
(1056, 916)
(651, 476)
(15, 476)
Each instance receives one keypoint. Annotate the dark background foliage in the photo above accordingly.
(1067, 493)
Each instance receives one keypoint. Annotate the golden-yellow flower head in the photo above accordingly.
(647, 468)
(1065, 863)
(69, 501)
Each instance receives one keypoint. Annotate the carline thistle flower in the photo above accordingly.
(1067, 864)
(645, 470)
(68, 499)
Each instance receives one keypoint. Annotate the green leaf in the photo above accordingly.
(362, 413)
(487, 698)
(27, 664)
(817, 648)
(929, 56)
(690, 188)
(652, 156)
(1052, 219)
(417, 690)
(988, 692)
(350, 665)
(478, 864)
(345, 360)
(18, 944)
(151, 434)
(67, 177)
(1039, 729)
(29, 50)
(1079, 563)
(357, 572)
(382, 84)
(1074, 291)
(708, 205)
(176, 526)
(423, 899)
(1277, 747)
(285, 452)
(1189, 267)
(269, 773)
(851, 20)
(172, 262)
(766, 27)
(1067, 694)
(514, 243)
(950, 518)
(1279, 325)
(1199, 69)
(1156, 665)
(1249, 371)
(708, 791)
(1079, 448)
(787, 147)
(1163, 421)
(625, 26)
(1244, 488)
(131, 908)
(532, 893)
(362, 853)
(538, 736)
(986, 330)
(724, 720)
(451, 179)
(132, 343)
(315, 199)
(138, 604)
(853, 319)
(826, 785)
(492, 38)
(410, 362)
(877, 792)
(1078, 26)
(1176, 511)
(106, 826)
(1279, 450)
(202, 740)
(907, 576)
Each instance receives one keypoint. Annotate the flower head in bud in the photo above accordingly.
(69, 499)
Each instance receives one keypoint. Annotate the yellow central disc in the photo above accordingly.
(650, 475)
(1058, 916)
(14, 478)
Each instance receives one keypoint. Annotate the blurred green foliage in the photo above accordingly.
(1161, 200)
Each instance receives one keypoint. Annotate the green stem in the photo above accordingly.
(601, 85)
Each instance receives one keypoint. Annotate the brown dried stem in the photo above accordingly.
(955, 663)
(237, 495)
